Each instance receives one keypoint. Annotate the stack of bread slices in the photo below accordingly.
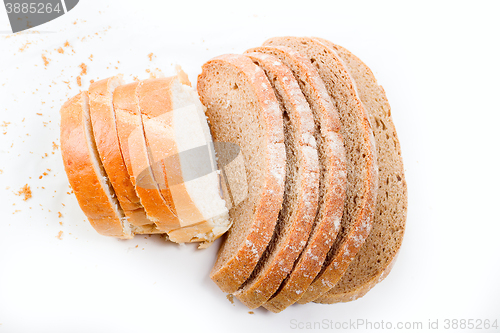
(309, 185)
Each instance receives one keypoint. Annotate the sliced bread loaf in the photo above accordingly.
(178, 138)
(85, 172)
(136, 156)
(301, 186)
(242, 109)
(378, 254)
(361, 162)
(106, 137)
(332, 181)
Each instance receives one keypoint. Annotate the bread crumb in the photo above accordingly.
(137, 246)
(230, 298)
(250, 312)
(84, 68)
(91, 58)
(59, 215)
(60, 50)
(45, 60)
(151, 55)
(66, 44)
(39, 114)
(79, 81)
(16, 211)
(59, 235)
(25, 191)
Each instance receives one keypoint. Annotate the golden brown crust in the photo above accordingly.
(235, 270)
(135, 154)
(304, 188)
(107, 142)
(343, 94)
(80, 167)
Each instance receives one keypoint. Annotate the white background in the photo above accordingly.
(439, 64)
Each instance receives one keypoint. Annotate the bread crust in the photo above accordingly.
(230, 274)
(345, 97)
(80, 164)
(391, 182)
(327, 223)
(135, 154)
(299, 219)
(104, 128)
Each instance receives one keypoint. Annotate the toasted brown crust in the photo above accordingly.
(376, 258)
(333, 180)
(230, 274)
(135, 154)
(343, 94)
(80, 165)
(302, 192)
(104, 128)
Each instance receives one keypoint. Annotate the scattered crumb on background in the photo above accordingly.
(59, 235)
(250, 312)
(151, 55)
(25, 191)
(230, 298)
(45, 60)
(84, 68)
(79, 81)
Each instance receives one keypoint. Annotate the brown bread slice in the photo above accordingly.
(136, 156)
(300, 200)
(242, 109)
(361, 162)
(106, 137)
(377, 256)
(332, 178)
(85, 172)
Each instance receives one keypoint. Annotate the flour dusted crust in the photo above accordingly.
(106, 137)
(135, 153)
(85, 174)
(378, 254)
(362, 166)
(235, 262)
(332, 180)
(301, 186)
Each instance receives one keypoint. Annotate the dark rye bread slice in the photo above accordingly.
(242, 109)
(377, 256)
(332, 178)
(300, 200)
(362, 167)
(86, 173)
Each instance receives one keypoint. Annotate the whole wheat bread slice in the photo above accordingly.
(86, 174)
(332, 178)
(300, 201)
(136, 156)
(103, 119)
(377, 256)
(361, 162)
(242, 109)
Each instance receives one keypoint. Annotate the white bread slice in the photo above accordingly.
(135, 154)
(378, 254)
(178, 138)
(242, 109)
(85, 172)
(300, 201)
(332, 180)
(106, 137)
(362, 166)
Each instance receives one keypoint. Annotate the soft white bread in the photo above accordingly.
(300, 200)
(184, 165)
(332, 182)
(378, 254)
(242, 109)
(106, 137)
(362, 168)
(136, 156)
(85, 171)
